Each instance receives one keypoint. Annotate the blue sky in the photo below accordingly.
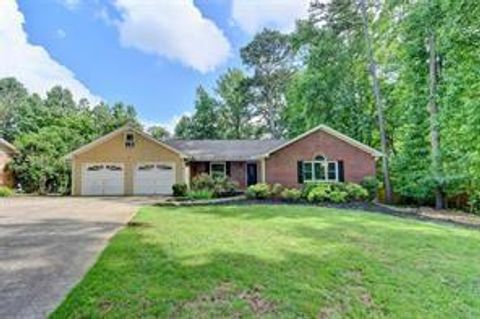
(149, 53)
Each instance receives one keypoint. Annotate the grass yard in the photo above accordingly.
(281, 262)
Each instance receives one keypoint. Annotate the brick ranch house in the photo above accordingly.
(7, 151)
(130, 162)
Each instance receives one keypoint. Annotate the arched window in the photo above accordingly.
(320, 170)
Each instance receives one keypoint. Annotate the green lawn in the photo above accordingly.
(281, 262)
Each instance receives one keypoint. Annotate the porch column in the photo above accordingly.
(73, 187)
(263, 178)
(187, 174)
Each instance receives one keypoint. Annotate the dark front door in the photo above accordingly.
(251, 174)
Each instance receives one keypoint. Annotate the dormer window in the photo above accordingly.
(129, 140)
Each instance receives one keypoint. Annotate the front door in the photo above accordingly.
(251, 174)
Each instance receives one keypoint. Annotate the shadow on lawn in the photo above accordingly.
(226, 285)
(139, 277)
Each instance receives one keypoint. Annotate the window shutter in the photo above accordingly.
(227, 168)
(300, 172)
(341, 172)
(207, 169)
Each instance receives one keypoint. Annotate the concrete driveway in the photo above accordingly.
(47, 245)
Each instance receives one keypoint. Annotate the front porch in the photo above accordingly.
(245, 173)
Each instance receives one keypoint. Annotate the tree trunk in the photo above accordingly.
(432, 107)
(379, 104)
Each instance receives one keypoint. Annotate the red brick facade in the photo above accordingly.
(281, 166)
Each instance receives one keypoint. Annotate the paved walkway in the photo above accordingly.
(47, 245)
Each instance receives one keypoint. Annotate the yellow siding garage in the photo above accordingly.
(129, 150)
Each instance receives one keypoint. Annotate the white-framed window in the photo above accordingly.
(320, 170)
(129, 140)
(218, 169)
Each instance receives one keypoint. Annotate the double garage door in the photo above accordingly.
(109, 179)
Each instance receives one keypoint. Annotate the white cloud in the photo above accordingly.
(174, 29)
(61, 34)
(31, 64)
(71, 4)
(254, 15)
(103, 15)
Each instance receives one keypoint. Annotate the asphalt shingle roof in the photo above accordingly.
(224, 150)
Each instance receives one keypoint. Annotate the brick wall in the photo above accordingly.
(281, 166)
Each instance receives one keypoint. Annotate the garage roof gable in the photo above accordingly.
(121, 130)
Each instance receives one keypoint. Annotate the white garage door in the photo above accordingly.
(103, 179)
(154, 178)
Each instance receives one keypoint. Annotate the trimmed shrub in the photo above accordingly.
(355, 192)
(370, 183)
(202, 182)
(291, 194)
(307, 188)
(258, 191)
(179, 190)
(320, 193)
(224, 187)
(338, 196)
(220, 187)
(200, 194)
(6, 191)
(276, 190)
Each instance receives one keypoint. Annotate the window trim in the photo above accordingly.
(325, 164)
(218, 163)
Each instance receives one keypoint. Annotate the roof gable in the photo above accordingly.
(332, 132)
(111, 135)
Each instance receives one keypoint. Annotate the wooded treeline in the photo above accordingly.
(425, 56)
(44, 130)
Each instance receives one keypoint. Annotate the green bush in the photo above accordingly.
(5, 191)
(276, 190)
(179, 190)
(319, 193)
(224, 187)
(370, 183)
(307, 188)
(203, 182)
(334, 192)
(355, 192)
(258, 191)
(291, 194)
(200, 194)
(338, 196)
(220, 187)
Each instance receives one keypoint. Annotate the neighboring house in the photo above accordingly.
(7, 151)
(130, 162)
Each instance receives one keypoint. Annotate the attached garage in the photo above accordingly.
(126, 162)
(154, 178)
(103, 179)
